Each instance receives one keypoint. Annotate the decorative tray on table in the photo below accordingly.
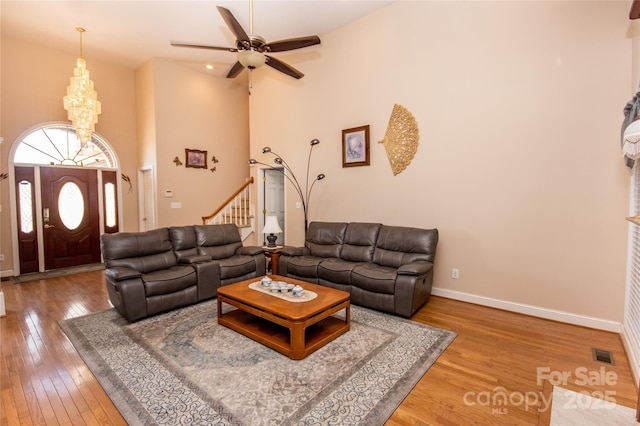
(283, 290)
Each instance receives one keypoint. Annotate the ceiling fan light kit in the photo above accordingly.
(252, 49)
(251, 59)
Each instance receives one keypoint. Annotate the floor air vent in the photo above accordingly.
(601, 355)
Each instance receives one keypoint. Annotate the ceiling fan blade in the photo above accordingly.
(233, 24)
(293, 43)
(202, 46)
(283, 67)
(634, 13)
(235, 70)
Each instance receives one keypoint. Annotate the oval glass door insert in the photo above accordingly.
(71, 205)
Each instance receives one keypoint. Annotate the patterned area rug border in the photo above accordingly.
(182, 367)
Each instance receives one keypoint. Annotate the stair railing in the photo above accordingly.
(235, 209)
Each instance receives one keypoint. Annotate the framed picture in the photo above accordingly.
(195, 158)
(355, 146)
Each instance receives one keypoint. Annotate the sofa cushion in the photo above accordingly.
(324, 239)
(360, 241)
(147, 264)
(182, 237)
(120, 273)
(183, 240)
(236, 266)
(397, 245)
(144, 251)
(374, 278)
(168, 280)
(218, 241)
(336, 270)
(304, 266)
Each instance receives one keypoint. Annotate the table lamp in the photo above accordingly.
(271, 227)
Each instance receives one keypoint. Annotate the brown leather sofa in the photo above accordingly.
(163, 269)
(387, 268)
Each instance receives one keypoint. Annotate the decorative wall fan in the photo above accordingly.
(252, 49)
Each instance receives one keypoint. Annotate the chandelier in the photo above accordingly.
(81, 101)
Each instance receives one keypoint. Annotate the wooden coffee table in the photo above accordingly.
(295, 329)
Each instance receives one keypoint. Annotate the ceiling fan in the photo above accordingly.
(252, 49)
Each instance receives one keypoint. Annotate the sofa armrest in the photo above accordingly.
(250, 250)
(295, 251)
(132, 299)
(121, 273)
(415, 268)
(196, 258)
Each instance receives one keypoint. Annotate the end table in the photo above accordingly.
(274, 255)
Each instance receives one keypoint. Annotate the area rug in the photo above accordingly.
(183, 368)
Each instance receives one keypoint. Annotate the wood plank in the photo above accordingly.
(42, 374)
(9, 408)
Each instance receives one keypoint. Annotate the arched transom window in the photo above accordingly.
(56, 144)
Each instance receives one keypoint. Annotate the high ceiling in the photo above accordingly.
(131, 32)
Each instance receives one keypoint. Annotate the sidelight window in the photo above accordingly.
(110, 204)
(25, 202)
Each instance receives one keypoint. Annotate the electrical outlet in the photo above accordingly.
(455, 273)
(1, 257)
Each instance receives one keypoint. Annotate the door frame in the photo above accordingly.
(38, 210)
(13, 215)
(86, 236)
(141, 194)
(261, 204)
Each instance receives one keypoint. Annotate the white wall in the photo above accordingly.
(519, 106)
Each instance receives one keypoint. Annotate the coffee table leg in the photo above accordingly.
(297, 341)
(348, 315)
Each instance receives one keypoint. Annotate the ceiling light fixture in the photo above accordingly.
(251, 59)
(81, 101)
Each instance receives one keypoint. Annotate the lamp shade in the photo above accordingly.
(630, 140)
(271, 226)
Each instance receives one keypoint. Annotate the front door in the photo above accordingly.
(70, 216)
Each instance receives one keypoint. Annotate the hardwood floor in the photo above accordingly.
(495, 358)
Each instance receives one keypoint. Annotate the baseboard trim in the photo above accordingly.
(630, 344)
(536, 311)
(6, 274)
